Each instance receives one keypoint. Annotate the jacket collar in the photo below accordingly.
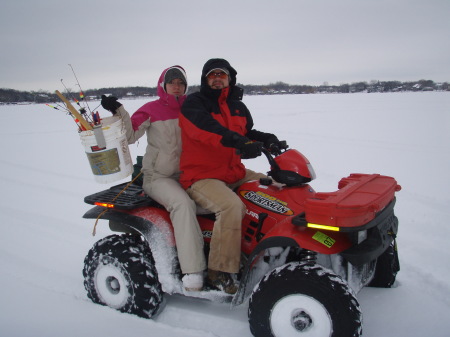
(234, 92)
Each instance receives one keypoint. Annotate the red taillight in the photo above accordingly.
(104, 204)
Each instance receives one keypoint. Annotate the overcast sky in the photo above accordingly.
(128, 43)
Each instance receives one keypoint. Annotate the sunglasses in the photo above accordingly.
(219, 74)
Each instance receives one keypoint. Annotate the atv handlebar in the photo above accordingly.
(274, 150)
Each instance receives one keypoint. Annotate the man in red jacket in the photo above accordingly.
(217, 132)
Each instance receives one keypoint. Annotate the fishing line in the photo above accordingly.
(97, 107)
(67, 111)
(59, 107)
(81, 90)
(68, 92)
(82, 109)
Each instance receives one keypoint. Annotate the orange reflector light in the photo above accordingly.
(104, 204)
(324, 227)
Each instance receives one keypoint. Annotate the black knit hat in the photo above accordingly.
(219, 64)
(172, 74)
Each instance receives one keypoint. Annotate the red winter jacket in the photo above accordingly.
(209, 121)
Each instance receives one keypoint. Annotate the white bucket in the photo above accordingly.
(112, 162)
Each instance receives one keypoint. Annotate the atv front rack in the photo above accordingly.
(132, 197)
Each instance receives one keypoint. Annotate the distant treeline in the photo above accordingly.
(279, 88)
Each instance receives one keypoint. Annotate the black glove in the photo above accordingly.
(250, 150)
(274, 145)
(271, 141)
(110, 103)
(245, 147)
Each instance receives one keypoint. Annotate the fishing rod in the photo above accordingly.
(96, 120)
(82, 109)
(84, 120)
(59, 107)
(78, 117)
(80, 126)
(97, 107)
(82, 96)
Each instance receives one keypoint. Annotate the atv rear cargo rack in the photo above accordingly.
(132, 197)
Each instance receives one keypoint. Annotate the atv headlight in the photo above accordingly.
(312, 173)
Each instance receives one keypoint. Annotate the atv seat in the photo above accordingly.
(132, 197)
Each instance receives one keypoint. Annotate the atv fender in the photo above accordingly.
(287, 235)
(120, 221)
(160, 240)
(320, 241)
(255, 268)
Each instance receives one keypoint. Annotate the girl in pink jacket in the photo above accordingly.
(160, 166)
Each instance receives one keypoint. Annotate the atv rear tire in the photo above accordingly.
(388, 265)
(119, 272)
(300, 299)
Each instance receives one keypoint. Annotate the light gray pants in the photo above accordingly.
(218, 197)
(188, 236)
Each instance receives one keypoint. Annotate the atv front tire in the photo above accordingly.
(300, 299)
(388, 265)
(119, 272)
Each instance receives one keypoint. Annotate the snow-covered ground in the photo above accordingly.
(43, 239)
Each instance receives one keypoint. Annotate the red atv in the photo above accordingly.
(305, 254)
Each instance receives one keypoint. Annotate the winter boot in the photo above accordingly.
(221, 280)
(193, 282)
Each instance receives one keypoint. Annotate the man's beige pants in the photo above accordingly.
(218, 197)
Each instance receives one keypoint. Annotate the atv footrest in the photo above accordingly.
(132, 197)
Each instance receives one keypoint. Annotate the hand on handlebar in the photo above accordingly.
(250, 150)
(277, 146)
(273, 145)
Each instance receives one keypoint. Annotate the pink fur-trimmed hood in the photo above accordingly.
(164, 108)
